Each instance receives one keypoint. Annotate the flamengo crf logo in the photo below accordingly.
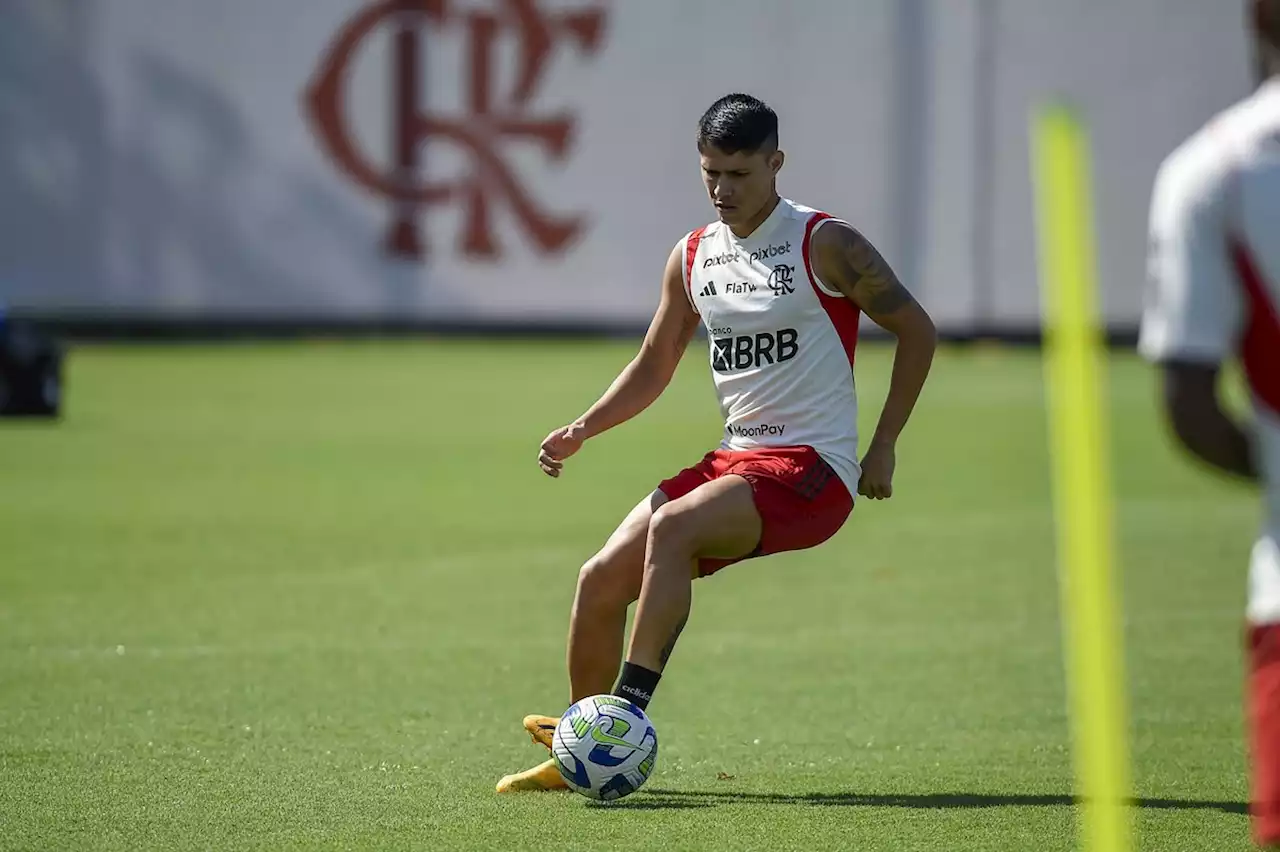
(496, 114)
(780, 279)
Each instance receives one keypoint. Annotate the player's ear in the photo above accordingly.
(776, 159)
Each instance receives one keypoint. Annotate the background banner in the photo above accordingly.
(532, 161)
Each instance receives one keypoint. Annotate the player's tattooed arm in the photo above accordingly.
(846, 260)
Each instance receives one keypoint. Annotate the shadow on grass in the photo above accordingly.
(654, 802)
(659, 798)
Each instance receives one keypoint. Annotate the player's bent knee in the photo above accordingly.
(605, 581)
(673, 526)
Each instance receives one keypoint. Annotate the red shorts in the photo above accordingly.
(801, 500)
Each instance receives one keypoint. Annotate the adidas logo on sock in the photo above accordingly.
(709, 290)
(640, 693)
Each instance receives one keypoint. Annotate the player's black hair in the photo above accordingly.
(736, 123)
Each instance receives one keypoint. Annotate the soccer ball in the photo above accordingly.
(605, 747)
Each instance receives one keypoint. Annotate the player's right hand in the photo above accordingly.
(559, 445)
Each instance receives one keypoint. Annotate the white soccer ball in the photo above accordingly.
(605, 747)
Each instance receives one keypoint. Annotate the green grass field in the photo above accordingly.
(299, 596)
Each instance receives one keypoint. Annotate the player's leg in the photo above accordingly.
(1264, 691)
(763, 502)
(607, 584)
(718, 520)
(1264, 732)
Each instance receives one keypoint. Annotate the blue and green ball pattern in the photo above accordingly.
(605, 747)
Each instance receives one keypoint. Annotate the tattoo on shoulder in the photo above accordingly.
(873, 282)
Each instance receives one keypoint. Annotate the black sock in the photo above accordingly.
(636, 684)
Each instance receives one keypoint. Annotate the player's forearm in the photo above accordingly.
(1217, 440)
(1233, 454)
(637, 387)
(1201, 425)
(912, 361)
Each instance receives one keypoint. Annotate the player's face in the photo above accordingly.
(739, 184)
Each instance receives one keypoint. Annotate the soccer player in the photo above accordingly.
(1215, 276)
(779, 288)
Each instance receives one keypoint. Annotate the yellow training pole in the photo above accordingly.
(1081, 476)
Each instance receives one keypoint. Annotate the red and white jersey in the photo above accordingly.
(1215, 282)
(781, 341)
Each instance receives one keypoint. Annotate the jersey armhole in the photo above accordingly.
(816, 221)
(691, 243)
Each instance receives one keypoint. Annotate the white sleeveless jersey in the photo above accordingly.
(1215, 284)
(781, 341)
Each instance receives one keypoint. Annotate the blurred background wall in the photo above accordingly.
(531, 162)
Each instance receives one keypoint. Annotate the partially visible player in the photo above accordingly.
(780, 288)
(1215, 286)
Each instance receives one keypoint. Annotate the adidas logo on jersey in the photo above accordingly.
(709, 290)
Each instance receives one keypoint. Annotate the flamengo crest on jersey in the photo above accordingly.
(781, 342)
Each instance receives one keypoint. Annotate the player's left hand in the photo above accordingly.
(877, 472)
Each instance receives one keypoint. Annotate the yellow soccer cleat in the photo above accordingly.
(541, 728)
(544, 776)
